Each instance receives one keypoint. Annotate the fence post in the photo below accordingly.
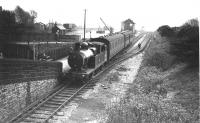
(38, 50)
(33, 49)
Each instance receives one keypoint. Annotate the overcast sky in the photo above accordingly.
(148, 13)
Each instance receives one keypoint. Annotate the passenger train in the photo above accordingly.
(88, 57)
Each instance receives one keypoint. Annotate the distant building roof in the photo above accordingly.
(69, 23)
(40, 23)
(128, 20)
(61, 27)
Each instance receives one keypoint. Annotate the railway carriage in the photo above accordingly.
(128, 37)
(114, 44)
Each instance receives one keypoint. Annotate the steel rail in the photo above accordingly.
(40, 104)
(27, 110)
(66, 101)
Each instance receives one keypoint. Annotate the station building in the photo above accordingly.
(128, 25)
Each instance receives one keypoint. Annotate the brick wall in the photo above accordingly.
(23, 82)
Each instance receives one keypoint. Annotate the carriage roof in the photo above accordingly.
(107, 39)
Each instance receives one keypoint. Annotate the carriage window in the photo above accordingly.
(112, 45)
(103, 48)
(98, 49)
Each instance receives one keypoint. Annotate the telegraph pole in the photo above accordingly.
(84, 24)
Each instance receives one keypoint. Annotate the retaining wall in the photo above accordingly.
(23, 82)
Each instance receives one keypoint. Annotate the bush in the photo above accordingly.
(148, 109)
(186, 46)
(165, 30)
(157, 54)
(183, 41)
(148, 99)
(191, 32)
(160, 60)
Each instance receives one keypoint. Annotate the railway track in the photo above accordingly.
(51, 106)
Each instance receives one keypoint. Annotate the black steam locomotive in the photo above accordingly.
(88, 57)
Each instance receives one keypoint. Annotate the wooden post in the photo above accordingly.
(34, 50)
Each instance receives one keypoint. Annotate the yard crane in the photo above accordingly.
(105, 25)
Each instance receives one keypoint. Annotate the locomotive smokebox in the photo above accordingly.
(75, 60)
(79, 59)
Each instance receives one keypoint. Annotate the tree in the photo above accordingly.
(25, 21)
(190, 29)
(187, 47)
(7, 20)
(193, 22)
(33, 15)
(7, 24)
(165, 30)
(23, 17)
(55, 28)
(55, 31)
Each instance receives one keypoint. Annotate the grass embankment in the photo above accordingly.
(165, 89)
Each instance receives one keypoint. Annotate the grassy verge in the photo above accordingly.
(165, 90)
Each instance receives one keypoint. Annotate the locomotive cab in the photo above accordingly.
(100, 49)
